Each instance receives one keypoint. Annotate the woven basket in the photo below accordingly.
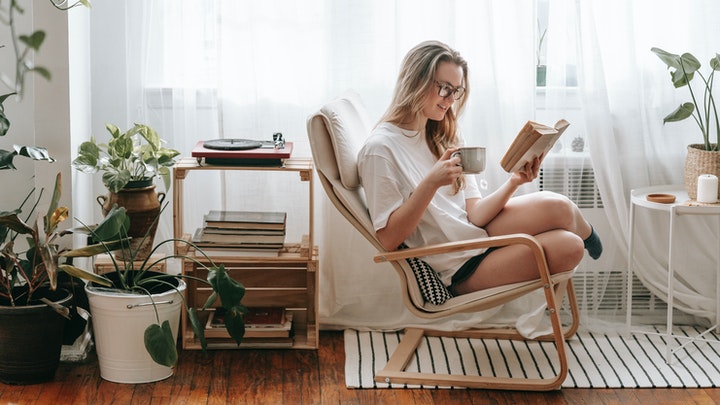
(699, 161)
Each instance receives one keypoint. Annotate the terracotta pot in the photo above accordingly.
(699, 161)
(31, 339)
(142, 205)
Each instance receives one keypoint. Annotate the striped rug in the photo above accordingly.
(595, 360)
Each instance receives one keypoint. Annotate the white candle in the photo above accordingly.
(707, 188)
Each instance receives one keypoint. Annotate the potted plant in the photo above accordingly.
(702, 158)
(32, 308)
(32, 329)
(540, 69)
(129, 163)
(134, 296)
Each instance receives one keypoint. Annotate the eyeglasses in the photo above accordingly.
(445, 90)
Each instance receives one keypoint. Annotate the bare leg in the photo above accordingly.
(539, 212)
(553, 219)
(516, 263)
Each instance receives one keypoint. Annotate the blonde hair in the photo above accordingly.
(415, 80)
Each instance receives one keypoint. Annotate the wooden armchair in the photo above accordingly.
(336, 133)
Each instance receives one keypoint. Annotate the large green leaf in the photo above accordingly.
(683, 111)
(231, 293)
(113, 227)
(96, 249)
(160, 344)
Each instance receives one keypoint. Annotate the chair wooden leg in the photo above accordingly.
(395, 370)
(395, 373)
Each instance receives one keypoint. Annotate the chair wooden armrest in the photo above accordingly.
(457, 246)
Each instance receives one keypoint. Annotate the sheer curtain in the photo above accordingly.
(228, 69)
(626, 92)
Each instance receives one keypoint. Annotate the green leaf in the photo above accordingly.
(230, 291)
(683, 111)
(42, 71)
(115, 181)
(715, 62)
(197, 327)
(53, 218)
(670, 59)
(4, 124)
(160, 344)
(6, 160)
(85, 275)
(34, 40)
(114, 226)
(33, 152)
(235, 322)
(13, 222)
(86, 163)
(96, 249)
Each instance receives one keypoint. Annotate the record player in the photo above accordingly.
(243, 152)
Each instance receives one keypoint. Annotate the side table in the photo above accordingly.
(638, 198)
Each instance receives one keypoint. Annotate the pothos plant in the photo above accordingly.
(702, 106)
(136, 154)
(131, 276)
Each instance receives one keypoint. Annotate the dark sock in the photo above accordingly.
(593, 244)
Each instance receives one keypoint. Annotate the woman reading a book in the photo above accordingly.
(417, 194)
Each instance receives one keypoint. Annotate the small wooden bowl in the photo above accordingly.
(661, 198)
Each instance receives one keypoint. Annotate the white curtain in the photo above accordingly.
(199, 70)
(626, 91)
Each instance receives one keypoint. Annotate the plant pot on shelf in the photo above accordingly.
(699, 161)
(119, 321)
(142, 205)
(540, 75)
(31, 338)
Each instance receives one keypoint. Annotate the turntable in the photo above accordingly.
(243, 152)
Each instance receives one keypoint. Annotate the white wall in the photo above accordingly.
(42, 117)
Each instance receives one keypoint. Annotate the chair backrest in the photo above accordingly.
(336, 133)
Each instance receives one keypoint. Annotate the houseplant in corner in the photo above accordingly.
(30, 302)
(702, 158)
(129, 163)
(32, 308)
(136, 311)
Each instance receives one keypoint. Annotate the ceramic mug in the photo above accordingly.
(472, 158)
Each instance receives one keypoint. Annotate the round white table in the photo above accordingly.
(681, 206)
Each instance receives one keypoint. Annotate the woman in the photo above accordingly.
(417, 194)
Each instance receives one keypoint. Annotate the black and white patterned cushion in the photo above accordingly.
(432, 289)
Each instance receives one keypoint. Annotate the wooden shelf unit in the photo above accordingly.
(289, 280)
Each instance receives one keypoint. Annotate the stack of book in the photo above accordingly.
(264, 326)
(249, 233)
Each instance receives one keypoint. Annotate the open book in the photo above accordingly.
(533, 140)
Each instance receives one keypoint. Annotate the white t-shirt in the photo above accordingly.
(391, 164)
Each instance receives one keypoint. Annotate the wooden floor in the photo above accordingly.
(296, 377)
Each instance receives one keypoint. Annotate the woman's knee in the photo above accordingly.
(564, 250)
(559, 208)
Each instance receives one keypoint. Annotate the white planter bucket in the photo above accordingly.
(119, 322)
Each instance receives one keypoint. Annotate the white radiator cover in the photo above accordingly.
(600, 284)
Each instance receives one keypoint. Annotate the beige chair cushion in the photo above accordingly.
(347, 123)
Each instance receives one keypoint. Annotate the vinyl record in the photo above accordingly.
(232, 144)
